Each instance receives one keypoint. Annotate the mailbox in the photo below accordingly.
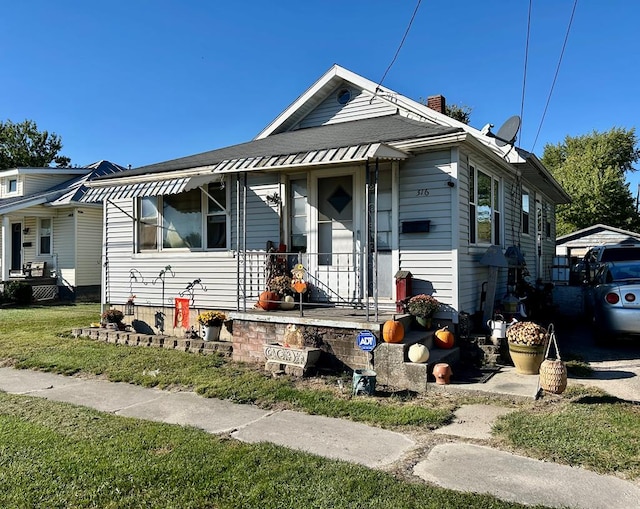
(403, 289)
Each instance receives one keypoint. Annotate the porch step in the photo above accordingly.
(393, 368)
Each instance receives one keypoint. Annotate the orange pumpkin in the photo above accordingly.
(393, 331)
(443, 338)
(268, 300)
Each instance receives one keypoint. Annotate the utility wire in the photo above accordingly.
(566, 37)
(415, 11)
(526, 60)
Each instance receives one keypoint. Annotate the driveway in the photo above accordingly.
(616, 366)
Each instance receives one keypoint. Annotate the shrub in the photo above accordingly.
(19, 292)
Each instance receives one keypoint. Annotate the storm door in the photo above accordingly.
(337, 262)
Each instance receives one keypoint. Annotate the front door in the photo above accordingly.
(16, 246)
(337, 262)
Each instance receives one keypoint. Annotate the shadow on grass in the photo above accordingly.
(599, 400)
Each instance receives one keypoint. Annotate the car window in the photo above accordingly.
(618, 254)
(622, 271)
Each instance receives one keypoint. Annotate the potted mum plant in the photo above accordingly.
(527, 342)
(423, 307)
(282, 286)
(211, 322)
(112, 318)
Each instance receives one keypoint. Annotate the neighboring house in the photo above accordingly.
(574, 245)
(355, 181)
(44, 224)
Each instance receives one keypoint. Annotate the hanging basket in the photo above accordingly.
(553, 372)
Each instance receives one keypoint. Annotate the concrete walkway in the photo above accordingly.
(456, 464)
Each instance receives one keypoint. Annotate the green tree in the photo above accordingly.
(592, 170)
(461, 113)
(23, 145)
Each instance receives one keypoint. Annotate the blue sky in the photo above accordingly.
(142, 81)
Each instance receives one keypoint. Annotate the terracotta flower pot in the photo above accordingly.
(442, 373)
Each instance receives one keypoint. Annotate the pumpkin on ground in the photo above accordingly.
(393, 331)
(443, 338)
(268, 300)
(418, 353)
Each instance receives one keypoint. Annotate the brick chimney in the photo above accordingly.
(437, 102)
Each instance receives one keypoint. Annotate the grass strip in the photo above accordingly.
(57, 455)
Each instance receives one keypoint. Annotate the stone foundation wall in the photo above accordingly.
(338, 345)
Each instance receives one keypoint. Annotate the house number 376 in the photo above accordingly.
(422, 192)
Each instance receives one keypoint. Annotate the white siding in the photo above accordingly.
(425, 195)
(361, 106)
(89, 247)
(36, 183)
(64, 247)
(217, 270)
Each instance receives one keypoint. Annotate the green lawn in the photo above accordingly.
(56, 455)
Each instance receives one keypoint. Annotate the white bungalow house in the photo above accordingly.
(355, 182)
(48, 237)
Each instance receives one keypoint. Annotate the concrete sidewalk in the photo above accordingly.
(455, 464)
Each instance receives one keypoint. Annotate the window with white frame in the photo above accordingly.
(298, 215)
(44, 236)
(195, 220)
(485, 207)
(12, 186)
(546, 214)
(525, 211)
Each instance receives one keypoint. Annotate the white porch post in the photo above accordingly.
(5, 256)
(6, 248)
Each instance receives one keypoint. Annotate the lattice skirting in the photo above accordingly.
(45, 292)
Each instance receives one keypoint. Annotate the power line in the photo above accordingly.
(415, 11)
(526, 60)
(564, 45)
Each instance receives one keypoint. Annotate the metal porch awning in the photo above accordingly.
(320, 157)
(164, 183)
(148, 188)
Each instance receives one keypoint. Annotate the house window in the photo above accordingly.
(525, 212)
(148, 224)
(298, 215)
(546, 214)
(182, 220)
(12, 186)
(189, 220)
(44, 236)
(485, 208)
(216, 217)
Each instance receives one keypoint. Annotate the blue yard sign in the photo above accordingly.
(366, 340)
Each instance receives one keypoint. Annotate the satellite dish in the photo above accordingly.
(507, 133)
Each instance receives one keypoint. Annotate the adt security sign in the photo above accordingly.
(366, 340)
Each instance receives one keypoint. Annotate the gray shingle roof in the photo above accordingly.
(68, 191)
(385, 129)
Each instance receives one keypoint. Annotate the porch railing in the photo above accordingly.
(334, 279)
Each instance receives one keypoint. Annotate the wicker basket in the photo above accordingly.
(553, 372)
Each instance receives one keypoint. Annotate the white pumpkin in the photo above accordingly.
(418, 353)
(288, 302)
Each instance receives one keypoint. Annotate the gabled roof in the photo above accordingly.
(283, 143)
(66, 193)
(597, 234)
